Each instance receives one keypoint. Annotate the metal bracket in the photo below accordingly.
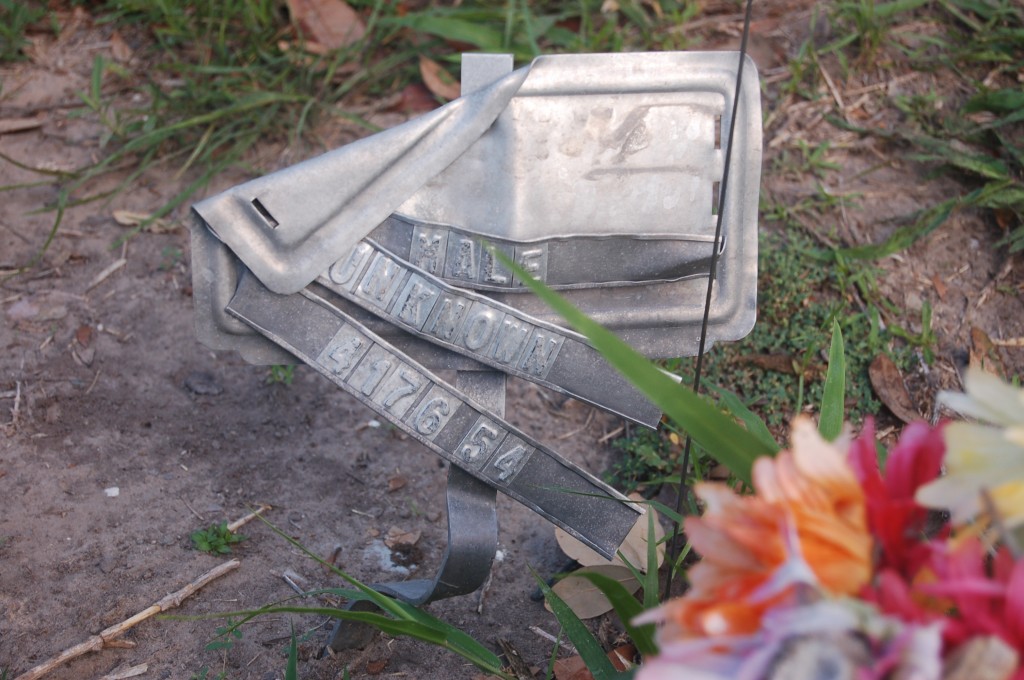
(472, 531)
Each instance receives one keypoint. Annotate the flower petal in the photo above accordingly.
(988, 398)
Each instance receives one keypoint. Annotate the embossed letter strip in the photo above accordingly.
(432, 411)
(483, 329)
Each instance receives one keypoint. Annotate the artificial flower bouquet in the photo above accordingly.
(838, 566)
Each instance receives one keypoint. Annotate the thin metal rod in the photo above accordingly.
(684, 489)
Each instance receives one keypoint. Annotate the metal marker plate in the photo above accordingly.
(597, 172)
(483, 329)
(433, 412)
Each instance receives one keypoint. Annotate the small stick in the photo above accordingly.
(833, 90)
(95, 380)
(567, 435)
(117, 264)
(16, 411)
(191, 509)
(551, 638)
(107, 638)
(238, 523)
(292, 579)
(483, 593)
(612, 435)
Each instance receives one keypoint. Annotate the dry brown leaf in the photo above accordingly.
(782, 363)
(415, 98)
(439, 81)
(634, 548)
(376, 666)
(396, 483)
(400, 538)
(127, 218)
(84, 335)
(584, 598)
(574, 668)
(985, 354)
(940, 286)
(20, 124)
(328, 23)
(1004, 218)
(891, 390)
(119, 48)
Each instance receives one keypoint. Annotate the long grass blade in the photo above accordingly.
(627, 608)
(723, 438)
(291, 672)
(755, 425)
(590, 651)
(833, 400)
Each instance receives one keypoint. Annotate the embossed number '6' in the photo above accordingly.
(428, 418)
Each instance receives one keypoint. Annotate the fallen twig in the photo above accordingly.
(101, 277)
(566, 646)
(191, 509)
(238, 523)
(16, 410)
(612, 435)
(108, 637)
(585, 425)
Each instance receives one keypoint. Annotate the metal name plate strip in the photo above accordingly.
(483, 329)
(459, 257)
(436, 414)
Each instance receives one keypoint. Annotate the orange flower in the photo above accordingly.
(808, 509)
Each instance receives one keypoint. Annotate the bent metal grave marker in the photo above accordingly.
(597, 174)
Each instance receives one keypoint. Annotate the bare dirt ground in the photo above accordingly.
(103, 386)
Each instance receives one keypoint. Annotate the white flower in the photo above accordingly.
(985, 457)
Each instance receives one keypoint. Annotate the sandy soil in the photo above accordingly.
(103, 387)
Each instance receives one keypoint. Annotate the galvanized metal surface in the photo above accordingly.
(625, 148)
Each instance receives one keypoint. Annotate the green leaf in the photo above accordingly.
(96, 82)
(728, 442)
(447, 635)
(593, 656)
(664, 509)
(292, 670)
(455, 639)
(833, 401)
(451, 28)
(998, 101)
(426, 632)
(627, 608)
(979, 164)
(926, 222)
(754, 424)
(650, 582)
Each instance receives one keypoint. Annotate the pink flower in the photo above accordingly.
(895, 519)
(986, 595)
(972, 594)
